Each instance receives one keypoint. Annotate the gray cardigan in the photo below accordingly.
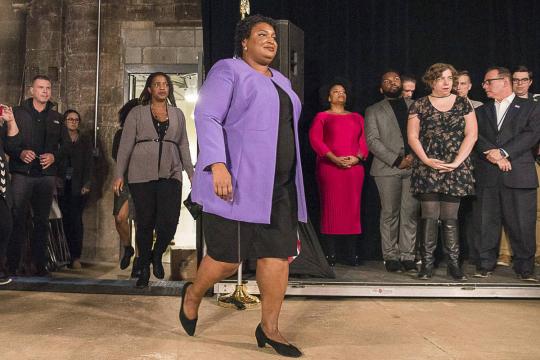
(141, 158)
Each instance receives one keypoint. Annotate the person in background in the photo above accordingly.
(154, 150)
(123, 203)
(337, 136)
(76, 173)
(506, 178)
(522, 79)
(33, 164)
(442, 131)
(248, 177)
(464, 85)
(9, 137)
(408, 86)
(386, 133)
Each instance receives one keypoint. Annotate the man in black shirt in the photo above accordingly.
(386, 134)
(33, 166)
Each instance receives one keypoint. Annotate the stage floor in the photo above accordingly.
(372, 280)
(367, 280)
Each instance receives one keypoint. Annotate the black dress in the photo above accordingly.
(279, 238)
(441, 135)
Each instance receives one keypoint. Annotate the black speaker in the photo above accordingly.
(290, 57)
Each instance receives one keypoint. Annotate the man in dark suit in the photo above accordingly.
(508, 130)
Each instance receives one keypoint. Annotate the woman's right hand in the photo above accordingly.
(118, 185)
(340, 161)
(437, 164)
(222, 181)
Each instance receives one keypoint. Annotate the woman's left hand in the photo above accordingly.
(352, 160)
(449, 167)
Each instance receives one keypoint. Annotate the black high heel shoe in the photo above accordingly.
(188, 325)
(288, 350)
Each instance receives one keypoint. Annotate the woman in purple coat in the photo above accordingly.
(248, 176)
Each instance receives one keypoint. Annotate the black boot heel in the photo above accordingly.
(188, 325)
(282, 349)
(143, 279)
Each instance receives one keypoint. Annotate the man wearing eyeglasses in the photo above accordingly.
(33, 165)
(506, 180)
(522, 79)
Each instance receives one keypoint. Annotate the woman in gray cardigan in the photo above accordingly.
(154, 150)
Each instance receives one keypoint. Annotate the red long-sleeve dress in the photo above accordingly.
(340, 189)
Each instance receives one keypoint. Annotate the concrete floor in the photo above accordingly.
(80, 326)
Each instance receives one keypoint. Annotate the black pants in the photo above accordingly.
(36, 192)
(516, 208)
(157, 206)
(72, 207)
(6, 226)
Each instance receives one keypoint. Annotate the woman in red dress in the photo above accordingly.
(337, 136)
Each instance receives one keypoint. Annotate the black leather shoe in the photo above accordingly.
(188, 325)
(527, 276)
(392, 265)
(126, 259)
(353, 260)
(282, 349)
(409, 266)
(455, 272)
(157, 266)
(143, 279)
(331, 259)
(426, 272)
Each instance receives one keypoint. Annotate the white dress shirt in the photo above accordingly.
(501, 108)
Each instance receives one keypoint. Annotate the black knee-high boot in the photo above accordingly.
(428, 243)
(450, 232)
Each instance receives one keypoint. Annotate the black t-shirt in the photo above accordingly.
(39, 132)
(402, 114)
(161, 129)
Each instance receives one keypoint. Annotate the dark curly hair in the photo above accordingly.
(435, 71)
(324, 92)
(145, 96)
(244, 27)
(124, 111)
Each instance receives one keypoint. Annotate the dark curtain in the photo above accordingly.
(360, 39)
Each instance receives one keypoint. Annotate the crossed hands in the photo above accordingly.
(345, 162)
(494, 156)
(440, 165)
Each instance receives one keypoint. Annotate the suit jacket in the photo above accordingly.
(384, 138)
(519, 134)
(237, 124)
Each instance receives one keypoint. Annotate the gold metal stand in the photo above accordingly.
(239, 299)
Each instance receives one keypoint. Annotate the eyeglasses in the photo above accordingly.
(517, 81)
(489, 81)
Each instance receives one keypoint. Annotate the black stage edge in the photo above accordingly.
(367, 280)
(94, 286)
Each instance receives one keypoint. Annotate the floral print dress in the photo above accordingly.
(441, 135)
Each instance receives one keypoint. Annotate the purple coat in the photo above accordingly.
(237, 119)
